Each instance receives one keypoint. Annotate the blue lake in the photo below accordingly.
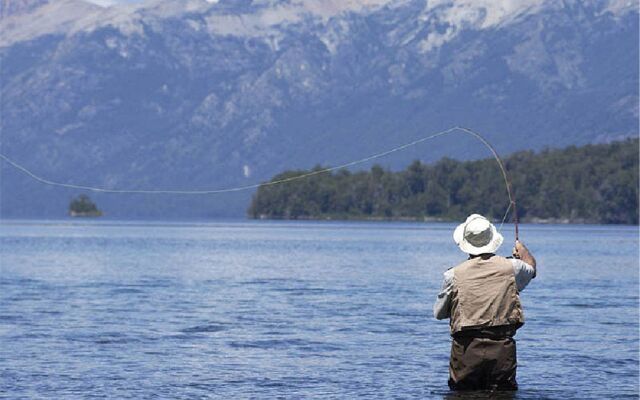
(295, 309)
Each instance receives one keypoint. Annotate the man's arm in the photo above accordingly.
(442, 306)
(521, 252)
(524, 265)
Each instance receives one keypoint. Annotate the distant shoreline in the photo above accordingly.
(541, 221)
(204, 221)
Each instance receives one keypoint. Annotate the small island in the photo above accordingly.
(82, 206)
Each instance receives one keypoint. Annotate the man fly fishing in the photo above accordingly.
(480, 296)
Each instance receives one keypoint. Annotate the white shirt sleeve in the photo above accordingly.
(441, 308)
(524, 273)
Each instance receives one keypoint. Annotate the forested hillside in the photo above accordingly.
(593, 183)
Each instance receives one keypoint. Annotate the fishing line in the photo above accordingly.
(512, 202)
(505, 216)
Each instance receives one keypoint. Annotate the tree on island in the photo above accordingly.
(82, 206)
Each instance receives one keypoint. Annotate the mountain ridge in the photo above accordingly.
(150, 97)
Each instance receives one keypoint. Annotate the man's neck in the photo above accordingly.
(484, 256)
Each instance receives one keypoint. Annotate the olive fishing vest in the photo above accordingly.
(485, 295)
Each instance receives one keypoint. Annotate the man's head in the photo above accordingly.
(477, 236)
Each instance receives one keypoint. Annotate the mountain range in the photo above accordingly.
(196, 94)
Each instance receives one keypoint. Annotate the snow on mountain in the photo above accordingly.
(16, 7)
(48, 18)
(260, 18)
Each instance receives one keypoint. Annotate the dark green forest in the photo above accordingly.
(588, 184)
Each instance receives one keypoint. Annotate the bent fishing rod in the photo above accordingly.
(471, 132)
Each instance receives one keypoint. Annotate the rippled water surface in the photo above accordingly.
(314, 310)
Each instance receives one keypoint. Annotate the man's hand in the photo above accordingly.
(517, 249)
(520, 251)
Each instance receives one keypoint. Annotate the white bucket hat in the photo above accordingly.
(477, 236)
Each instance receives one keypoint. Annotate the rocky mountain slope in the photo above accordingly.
(207, 94)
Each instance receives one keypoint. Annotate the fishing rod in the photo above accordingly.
(507, 181)
(471, 132)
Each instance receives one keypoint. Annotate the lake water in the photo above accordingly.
(283, 309)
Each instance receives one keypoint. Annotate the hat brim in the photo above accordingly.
(491, 247)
